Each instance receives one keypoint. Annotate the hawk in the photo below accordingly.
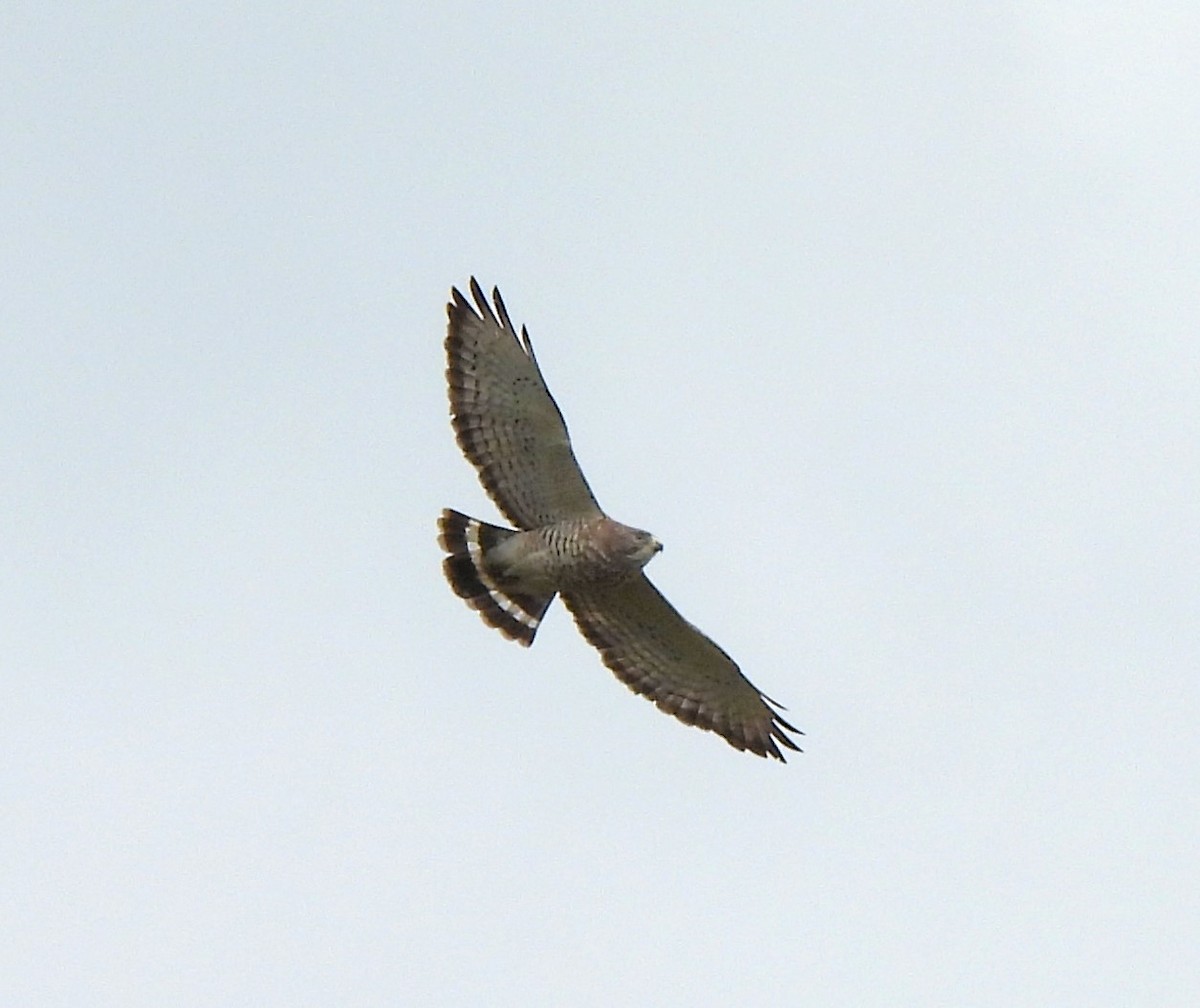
(509, 427)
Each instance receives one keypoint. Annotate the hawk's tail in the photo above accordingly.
(467, 540)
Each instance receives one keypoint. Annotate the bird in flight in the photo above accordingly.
(511, 430)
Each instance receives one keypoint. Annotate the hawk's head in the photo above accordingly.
(628, 549)
(642, 547)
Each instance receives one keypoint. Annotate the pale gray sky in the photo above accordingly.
(883, 317)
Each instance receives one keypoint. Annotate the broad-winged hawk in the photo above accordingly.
(511, 430)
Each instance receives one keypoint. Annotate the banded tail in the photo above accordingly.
(467, 540)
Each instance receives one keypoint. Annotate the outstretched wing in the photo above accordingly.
(505, 419)
(657, 653)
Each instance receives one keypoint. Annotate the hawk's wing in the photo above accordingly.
(506, 422)
(657, 653)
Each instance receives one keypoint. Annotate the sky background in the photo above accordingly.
(882, 316)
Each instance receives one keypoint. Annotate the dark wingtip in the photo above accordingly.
(481, 302)
(498, 301)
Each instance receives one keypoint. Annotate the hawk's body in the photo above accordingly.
(510, 429)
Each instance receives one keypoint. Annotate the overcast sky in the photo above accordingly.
(882, 317)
